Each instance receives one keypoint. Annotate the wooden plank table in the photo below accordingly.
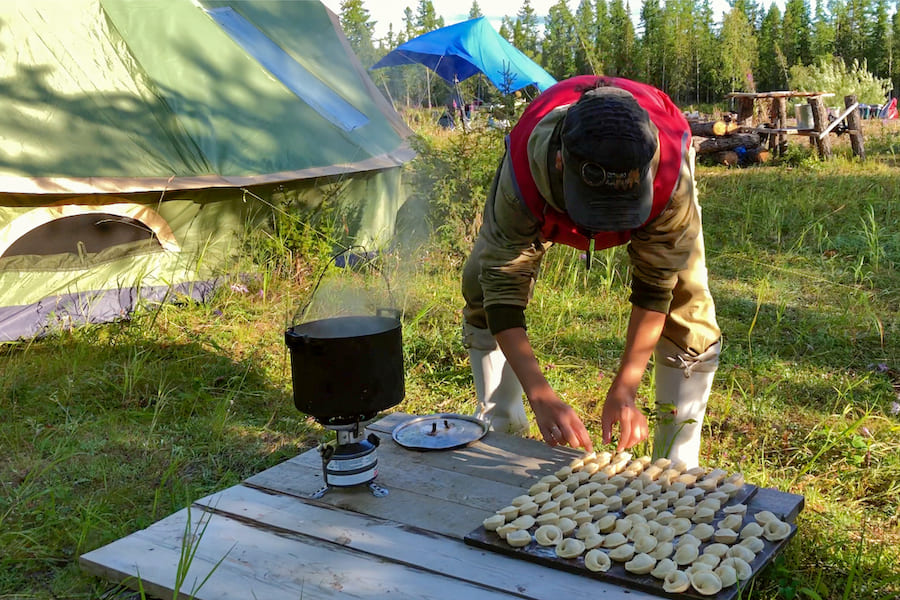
(265, 538)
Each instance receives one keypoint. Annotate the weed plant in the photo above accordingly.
(109, 428)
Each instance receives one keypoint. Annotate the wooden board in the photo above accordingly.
(400, 544)
(260, 563)
(617, 574)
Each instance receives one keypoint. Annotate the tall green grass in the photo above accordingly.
(107, 429)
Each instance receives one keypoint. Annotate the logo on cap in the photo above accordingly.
(595, 175)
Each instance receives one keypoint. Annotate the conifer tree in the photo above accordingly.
(586, 60)
(894, 57)
(525, 31)
(738, 51)
(878, 44)
(358, 29)
(558, 48)
(603, 43)
(823, 33)
(795, 30)
(772, 73)
(475, 10)
(622, 56)
(652, 44)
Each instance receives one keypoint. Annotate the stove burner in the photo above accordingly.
(351, 459)
(335, 422)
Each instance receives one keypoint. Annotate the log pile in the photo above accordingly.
(722, 142)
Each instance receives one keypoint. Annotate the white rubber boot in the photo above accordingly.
(683, 384)
(496, 386)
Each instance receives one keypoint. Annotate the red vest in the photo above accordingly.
(674, 140)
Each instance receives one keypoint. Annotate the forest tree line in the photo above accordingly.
(680, 46)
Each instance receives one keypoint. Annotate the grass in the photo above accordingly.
(109, 428)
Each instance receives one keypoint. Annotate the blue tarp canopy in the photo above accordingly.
(457, 52)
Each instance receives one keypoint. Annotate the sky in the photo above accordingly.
(384, 12)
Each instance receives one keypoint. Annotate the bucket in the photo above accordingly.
(804, 116)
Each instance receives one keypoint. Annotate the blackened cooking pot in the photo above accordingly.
(346, 369)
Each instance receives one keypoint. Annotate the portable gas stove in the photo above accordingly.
(351, 459)
(345, 370)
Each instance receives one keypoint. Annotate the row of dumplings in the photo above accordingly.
(652, 516)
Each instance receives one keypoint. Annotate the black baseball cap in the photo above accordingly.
(608, 145)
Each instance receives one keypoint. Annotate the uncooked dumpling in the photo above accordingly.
(606, 523)
(569, 548)
(764, 516)
(686, 554)
(725, 536)
(741, 567)
(518, 538)
(741, 552)
(614, 539)
(529, 508)
(703, 514)
(645, 543)
(641, 564)
(539, 488)
(676, 582)
(727, 574)
(541, 498)
(520, 500)
(703, 531)
(680, 526)
(597, 561)
(754, 543)
(622, 553)
(706, 582)
(509, 512)
(776, 530)
(708, 559)
(663, 550)
(732, 522)
(593, 541)
(566, 525)
(548, 535)
(751, 530)
(717, 549)
(585, 530)
(493, 522)
(523, 522)
(739, 509)
(663, 568)
(547, 519)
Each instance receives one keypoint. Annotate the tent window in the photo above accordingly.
(279, 63)
(94, 232)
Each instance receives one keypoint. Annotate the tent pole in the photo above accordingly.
(462, 107)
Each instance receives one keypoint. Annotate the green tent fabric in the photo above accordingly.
(139, 138)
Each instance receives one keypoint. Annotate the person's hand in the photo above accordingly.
(558, 422)
(620, 408)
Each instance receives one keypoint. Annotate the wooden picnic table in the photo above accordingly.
(777, 128)
(265, 538)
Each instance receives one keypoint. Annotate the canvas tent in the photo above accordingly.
(139, 137)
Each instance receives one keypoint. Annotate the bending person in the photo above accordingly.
(596, 162)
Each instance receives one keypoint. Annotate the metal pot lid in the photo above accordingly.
(439, 432)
